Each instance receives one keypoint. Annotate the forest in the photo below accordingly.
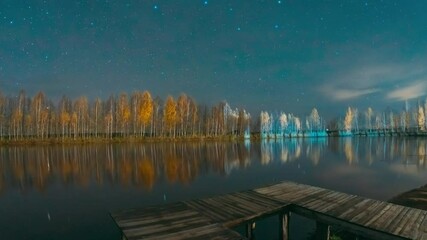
(136, 115)
(141, 116)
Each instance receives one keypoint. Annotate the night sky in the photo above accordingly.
(260, 55)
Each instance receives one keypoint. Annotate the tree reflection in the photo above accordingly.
(146, 174)
(142, 165)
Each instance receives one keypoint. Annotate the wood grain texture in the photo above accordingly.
(212, 218)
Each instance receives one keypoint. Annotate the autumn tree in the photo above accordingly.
(64, 115)
(145, 113)
(17, 117)
(53, 126)
(170, 115)
(74, 123)
(81, 108)
(218, 119)
(157, 122)
(37, 108)
(96, 115)
(135, 102)
(123, 113)
(243, 121)
(109, 117)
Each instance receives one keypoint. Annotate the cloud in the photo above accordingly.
(414, 90)
(369, 78)
(345, 94)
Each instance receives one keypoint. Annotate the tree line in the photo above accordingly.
(409, 118)
(136, 115)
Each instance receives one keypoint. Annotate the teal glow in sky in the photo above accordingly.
(260, 55)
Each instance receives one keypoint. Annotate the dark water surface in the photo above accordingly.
(66, 192)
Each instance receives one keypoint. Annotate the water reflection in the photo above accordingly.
(143, 165)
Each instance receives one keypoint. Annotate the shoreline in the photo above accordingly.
(133, 139)
(127, 139)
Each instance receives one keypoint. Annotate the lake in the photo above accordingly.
(67, 192)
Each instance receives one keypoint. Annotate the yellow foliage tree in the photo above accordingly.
(73, 123)
(145, 110)
(170, 115)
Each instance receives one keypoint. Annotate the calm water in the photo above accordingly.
(66, 192)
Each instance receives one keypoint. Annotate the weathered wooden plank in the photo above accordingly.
(326, 207)
(245, 204)
(353, 228)
(278, 188)
(164, 218)
(386, 218)
(362, 208)
(206, 211)
(416, 233)
(149, 211)
(259, 199)
(397, 221)
(409, 229)
(330, 203)
(208, 218)
(224, 204)
(211, 211)
(318, 194)
(423, 226)
(346, 207)
(404, 221)
(338, 210)
(296, 197)
(382, 210)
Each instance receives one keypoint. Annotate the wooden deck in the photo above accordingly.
(212, 218)
(416, 197)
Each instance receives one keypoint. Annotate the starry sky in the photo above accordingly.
(259, 55)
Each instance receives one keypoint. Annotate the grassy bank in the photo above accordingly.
(128, 139)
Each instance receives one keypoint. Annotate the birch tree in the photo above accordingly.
(145, 114)
(2, 114)
(369, 113)
(314, 119)
(421, 118)
(170, 115)
(348, 120)
(97, 115)
(123, 113)
(37, 107)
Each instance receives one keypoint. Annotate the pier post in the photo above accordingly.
(284, 225)
(250, 230)
(322, 231)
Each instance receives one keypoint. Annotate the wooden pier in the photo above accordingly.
(213, 218)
